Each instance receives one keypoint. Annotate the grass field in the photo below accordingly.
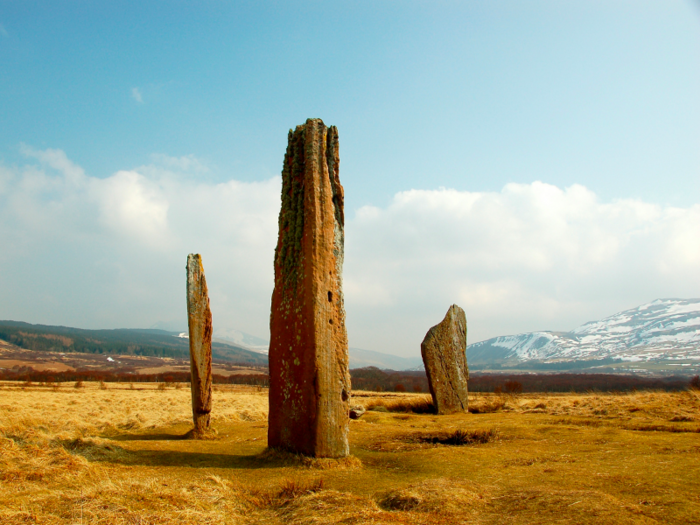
(115, 455)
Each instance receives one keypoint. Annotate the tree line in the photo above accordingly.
(374, 379)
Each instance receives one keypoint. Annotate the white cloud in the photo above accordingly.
(133, 205)
(3, 31)
(530, 257)
(111, 252)
(136, 95)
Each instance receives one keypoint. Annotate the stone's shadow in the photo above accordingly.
(149, 437)
(110, 452)
(176, 458)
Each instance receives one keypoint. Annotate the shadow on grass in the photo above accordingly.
(173, 458)
(109, 452)
(101, 452)
(148, 437)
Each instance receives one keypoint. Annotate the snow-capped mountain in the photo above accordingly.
(664, 332)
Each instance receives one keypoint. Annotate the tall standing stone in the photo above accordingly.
(309, 378)
(445, 359)
(200, 327)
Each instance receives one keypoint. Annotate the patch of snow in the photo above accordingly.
(661, 330)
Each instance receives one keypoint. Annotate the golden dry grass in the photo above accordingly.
(116, 455)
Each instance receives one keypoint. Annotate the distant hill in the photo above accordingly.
(661, 336)
(165, 343)
(363, 358)
(123, 341)
(242, 340)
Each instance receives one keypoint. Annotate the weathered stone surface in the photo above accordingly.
(356, 412)
(200, 326)
(445, 359)
(309, 378)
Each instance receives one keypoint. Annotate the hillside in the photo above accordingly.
(663, 335)
(136, 342)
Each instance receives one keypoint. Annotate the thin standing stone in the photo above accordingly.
(200, 327)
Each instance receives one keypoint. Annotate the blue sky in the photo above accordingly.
(465, 96)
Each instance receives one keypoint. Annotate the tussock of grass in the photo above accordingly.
(487, 405)
(680, 419)
(206, 435)
(441, 496)
(36, 461)
(461, 437)
(662, 428)
(417, 404)
(282, 457)
(332, 506)
(294, 488)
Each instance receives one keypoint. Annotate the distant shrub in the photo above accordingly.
(399, 388)
(103, 385)
(695, 383)
(78, 384)
(417, 389)
(162, 386)
(513, 387)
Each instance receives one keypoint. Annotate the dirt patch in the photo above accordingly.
(69, 361)
(38, 366)
(225, 371)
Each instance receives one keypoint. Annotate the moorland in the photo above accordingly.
(114, 453)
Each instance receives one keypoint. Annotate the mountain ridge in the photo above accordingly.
(118, 341)
(664, 333)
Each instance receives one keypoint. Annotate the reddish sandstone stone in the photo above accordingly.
(445, 359)
(309, 378)
(200, 327)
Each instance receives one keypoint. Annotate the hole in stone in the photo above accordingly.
(330, 296)
(330, 321)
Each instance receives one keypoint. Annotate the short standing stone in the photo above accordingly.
(309, 378)
(200, 327)
(445, 359)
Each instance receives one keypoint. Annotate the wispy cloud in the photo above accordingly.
(136, 95)
(3, 31)
(187, 163)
